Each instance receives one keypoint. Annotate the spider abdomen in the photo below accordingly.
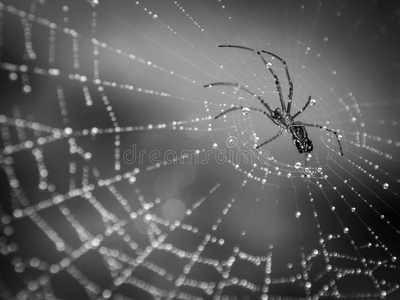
(300, 139)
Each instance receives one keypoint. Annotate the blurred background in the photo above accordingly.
(118, 183)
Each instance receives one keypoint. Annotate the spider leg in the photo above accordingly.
(324, 128)
(289, 104)
(234, 46)
(271, 139)
(277, 83)
(242, 88)
(303, 109)
(249, 107)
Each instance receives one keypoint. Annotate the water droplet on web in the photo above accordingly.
(298, 214)
(27, 89)
(245, 111)
(13, 76)
(68, 130)
(297, 165)
(385, 186)
(313, 101)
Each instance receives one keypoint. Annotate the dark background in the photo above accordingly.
(101, 227)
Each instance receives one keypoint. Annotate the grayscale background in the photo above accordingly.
(117, 182)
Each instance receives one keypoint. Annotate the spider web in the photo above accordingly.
(117, 182)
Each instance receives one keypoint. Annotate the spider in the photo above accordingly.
(281, 117)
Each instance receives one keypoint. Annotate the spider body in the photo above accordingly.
(299, 133)
(281, 117)
(300, 139)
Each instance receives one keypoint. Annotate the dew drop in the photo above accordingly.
(385, 186)
(68, 130)
(313, 101)
(27, 89)
(245, 111)
(297, 165)
(13, 76)
(298, 214)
